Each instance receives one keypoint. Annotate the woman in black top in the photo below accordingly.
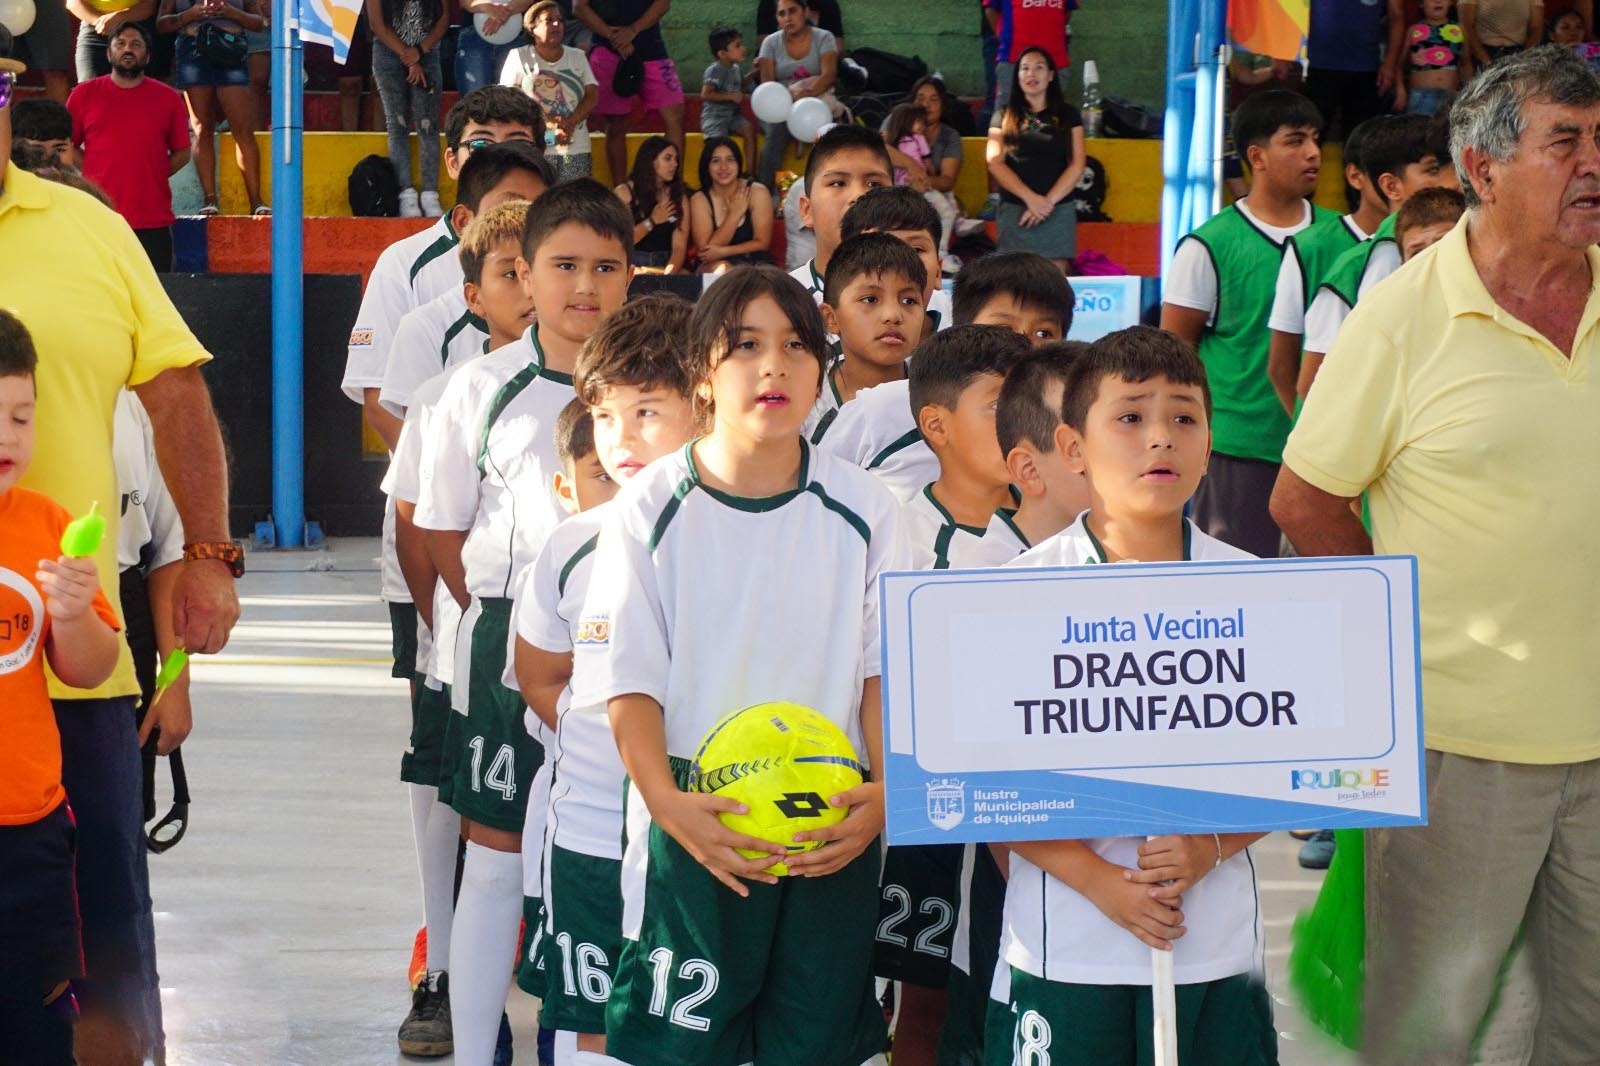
(731, 216)
(655, 194)
(1035, 154)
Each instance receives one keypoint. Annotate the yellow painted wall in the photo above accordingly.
(1133, 167)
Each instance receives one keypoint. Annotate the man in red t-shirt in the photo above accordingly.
(134, 133)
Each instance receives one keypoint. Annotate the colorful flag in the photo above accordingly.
(330, 22)
(1275, 28)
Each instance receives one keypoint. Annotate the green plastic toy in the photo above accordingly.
(83, 535)
(170, 669)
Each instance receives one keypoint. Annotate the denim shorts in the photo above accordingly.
(1426, 101)
(191, 70)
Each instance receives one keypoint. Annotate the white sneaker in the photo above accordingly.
(408, 204)
(430, 205)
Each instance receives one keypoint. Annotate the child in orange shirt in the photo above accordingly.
(51, 609)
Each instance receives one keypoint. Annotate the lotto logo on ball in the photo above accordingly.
(782, 761)
(594, 631)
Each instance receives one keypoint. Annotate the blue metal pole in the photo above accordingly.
(1177, 127)
(288, 296)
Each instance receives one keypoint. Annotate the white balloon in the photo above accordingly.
(823, 132)
(771, 100)
(17, 15)
(509, 31)
(807, 119)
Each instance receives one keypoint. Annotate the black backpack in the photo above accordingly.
(887, 72)
(374, 190)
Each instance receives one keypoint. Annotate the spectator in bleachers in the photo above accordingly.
(730, 217)
(213, 78)
(633, 34)
(656, 195)
(558, 78)
(94, 31)
(803, 57)
(405, 67)
(1347, 75)
(135, 135)
(722, 90)
(47, 47)
(349, 78)
(1567, 30)
(478, 62)
(823, 13)
(1499, 28)
(1036, 156)
(800, 240)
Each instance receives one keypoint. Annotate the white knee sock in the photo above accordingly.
(483, 947)
(591, 1058)
(437, 845)
(566, 1048)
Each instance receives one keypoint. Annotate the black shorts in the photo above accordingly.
(1231, 504)
(39, 943)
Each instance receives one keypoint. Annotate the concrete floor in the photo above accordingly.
(284, 919)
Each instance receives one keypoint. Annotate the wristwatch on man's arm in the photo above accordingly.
(224, 551)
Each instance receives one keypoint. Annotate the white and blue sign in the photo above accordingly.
(1103, 305)
(1127, 700)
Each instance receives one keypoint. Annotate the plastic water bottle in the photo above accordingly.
(1093, 120)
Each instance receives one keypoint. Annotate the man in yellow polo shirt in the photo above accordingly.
(1463, 397)
(74, 273)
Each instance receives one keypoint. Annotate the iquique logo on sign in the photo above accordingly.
(1345, 780)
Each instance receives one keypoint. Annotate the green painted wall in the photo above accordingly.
(1126, 37)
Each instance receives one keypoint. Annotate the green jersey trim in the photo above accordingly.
(947, 530)
(754, 504)
(857, 523)
(901, 443)
(441, 245)
(1010, 520)
(467, 319)
(514, 388)
(669, 512)
(1100, 549)
(584, 551)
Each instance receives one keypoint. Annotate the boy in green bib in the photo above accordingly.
(1219, 292)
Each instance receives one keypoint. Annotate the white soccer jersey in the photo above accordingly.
(1002, 542)
(151, 533)
(807, 274)
(440, 334)
(876, 432)
(435, 658)
(934, 539)
(1289, 299)
(586, 771)
(409, 273)
(1054, 933)
(825, 410)
(489, 464)
(707, 602)
(1328, 309)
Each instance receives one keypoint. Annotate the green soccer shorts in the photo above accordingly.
(403, 640)
(582, 939)
(707, 978)
(489, 758)
(919, 897)
(1227, 1022)
(430, 714)
(530, 966)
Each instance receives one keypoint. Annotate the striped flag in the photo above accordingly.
(330, 22)
(1275, 28)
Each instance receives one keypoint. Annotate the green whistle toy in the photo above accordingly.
(83, 535)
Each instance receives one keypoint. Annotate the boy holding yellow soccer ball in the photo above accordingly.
(742, 570)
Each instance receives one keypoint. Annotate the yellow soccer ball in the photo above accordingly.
(783, 761)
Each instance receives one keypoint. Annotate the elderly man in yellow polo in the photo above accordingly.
(1462, 399)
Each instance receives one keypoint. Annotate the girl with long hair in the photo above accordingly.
(730, 217)
(655, 193)
(1035, 154)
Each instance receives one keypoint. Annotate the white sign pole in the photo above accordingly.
(1164, 1008)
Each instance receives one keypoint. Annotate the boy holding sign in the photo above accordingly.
(1081, 915)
